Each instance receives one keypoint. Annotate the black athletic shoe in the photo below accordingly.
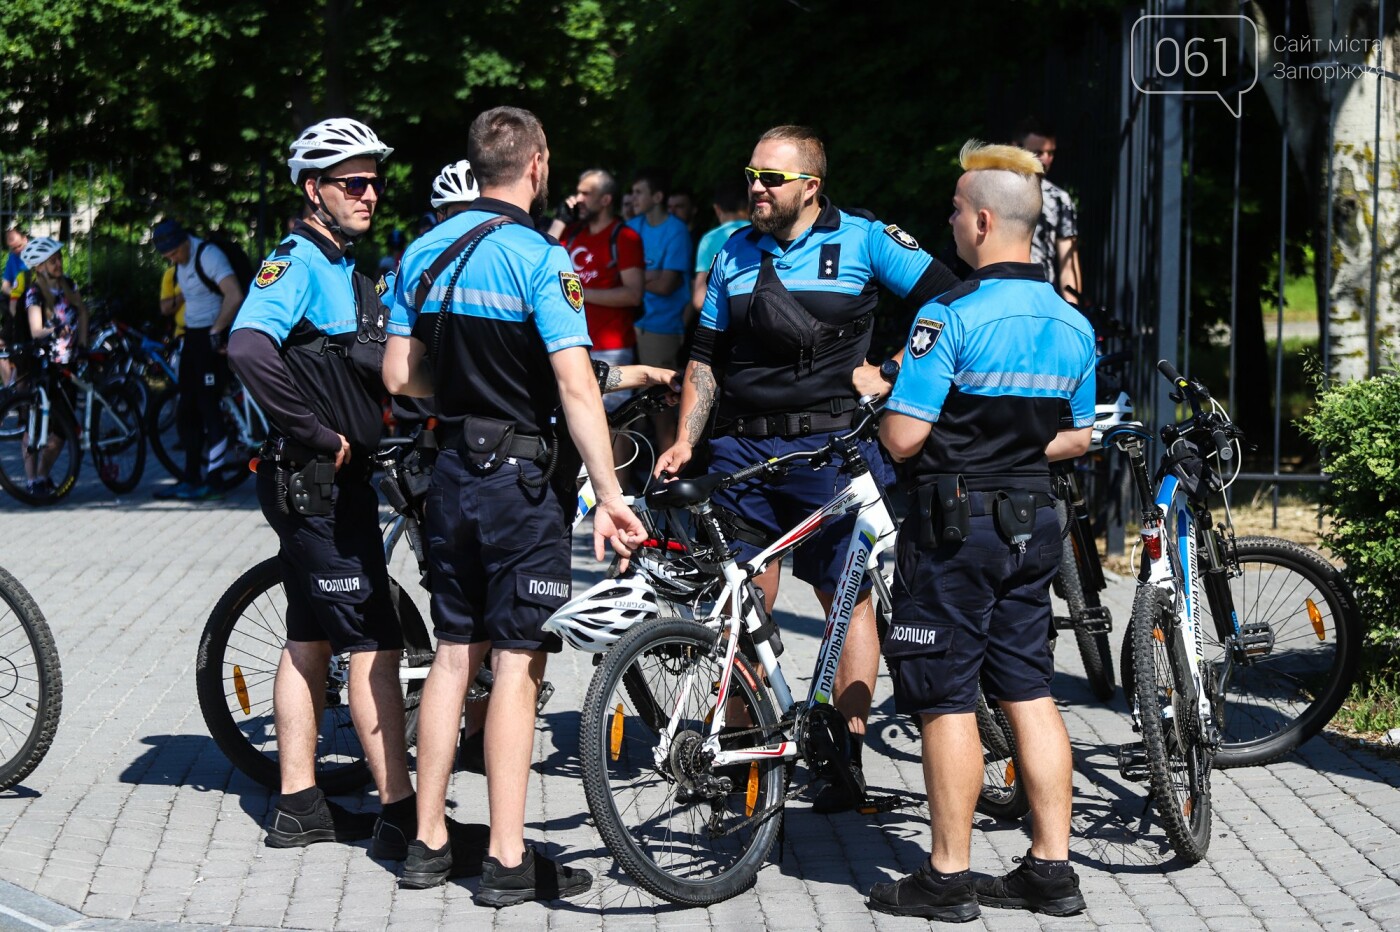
(836, 797)
(326, 822)
(924, 895)
(1027, 887)
(537, 878)
(426, 867)
(391, 840)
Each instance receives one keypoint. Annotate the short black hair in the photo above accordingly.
(731, 195)
(658, 179)
(501, 143)
(1033, 126)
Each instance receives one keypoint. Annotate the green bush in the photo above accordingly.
(1357, 425)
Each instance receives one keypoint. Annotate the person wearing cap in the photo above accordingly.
(212, 296)
(309, 344)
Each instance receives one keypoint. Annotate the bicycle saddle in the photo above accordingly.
(683, 493)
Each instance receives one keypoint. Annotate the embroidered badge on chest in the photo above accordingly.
(900, 237)
(269, 272)
(926, 333)
(573, 289)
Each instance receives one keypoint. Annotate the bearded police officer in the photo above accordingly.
(308, 343)
(488, 316)
(976, 414)
(784, 333)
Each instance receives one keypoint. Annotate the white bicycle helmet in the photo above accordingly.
(593, 622)
(1118, 411)
(455, 184)
(39, 250)
(333, 141)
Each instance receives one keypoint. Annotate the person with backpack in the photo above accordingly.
(213, 290)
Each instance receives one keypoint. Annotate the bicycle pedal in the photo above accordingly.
(1097, 620)
(546, 691)
(1132, 762)
(1064, 623)
(1257, 638)
(874, 805)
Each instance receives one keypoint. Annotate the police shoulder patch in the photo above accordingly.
(573, 289)
(900, 237)
(926, 333)
(269, 272)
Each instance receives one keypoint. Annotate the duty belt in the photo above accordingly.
(531, 449)
(981, 503)
(791, 424)
(292, 456)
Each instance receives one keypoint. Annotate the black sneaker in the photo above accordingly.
(836, 796)
(1028, 887)
(391, 840)
(326, 822)
(537, 878)
(924, 895)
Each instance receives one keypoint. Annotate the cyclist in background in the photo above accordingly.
(172, 300)
(56, 312)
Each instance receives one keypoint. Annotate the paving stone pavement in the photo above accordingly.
(136, 820)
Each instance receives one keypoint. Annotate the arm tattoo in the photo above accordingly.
(613, 381)
(703, 378)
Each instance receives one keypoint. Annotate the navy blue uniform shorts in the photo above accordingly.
(781, 505)
(979, 610)
(498, 555)
(333, 569)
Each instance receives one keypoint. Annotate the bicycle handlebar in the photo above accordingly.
(869, 408)
(1194, 392)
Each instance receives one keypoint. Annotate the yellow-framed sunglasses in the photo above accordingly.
(771, 178)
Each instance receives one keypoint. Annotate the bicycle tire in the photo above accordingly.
(14, 416)
(242, 447)
(249, 622)
(118, 438)
(1094, 649)
(1003, 795)
(1178, 777)
(24, 740)
(162, 431)
(1275, 704)
(686, 872)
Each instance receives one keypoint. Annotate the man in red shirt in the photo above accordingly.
(607, 256)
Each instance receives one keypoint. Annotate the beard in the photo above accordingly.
(779, 216)
(540, 205)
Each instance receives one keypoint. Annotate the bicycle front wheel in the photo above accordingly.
(1290, 691)
(234, 673)
(163, 432)
(684, 830)
(31, 683)
(118, 436)
(23, 458)
(1178, 765)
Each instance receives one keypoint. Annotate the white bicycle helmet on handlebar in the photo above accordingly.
(333, 141)
(39, 250)
(593, 622)
(455, 184)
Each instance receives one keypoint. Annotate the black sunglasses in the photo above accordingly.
(356, 186)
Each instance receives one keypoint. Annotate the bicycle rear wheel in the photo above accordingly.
(234, 672)
(1177, 764)
(21, 453)
(118, 436)
(246, 431)
(1289, 693)
(31, 683)
(162, 432)
(679, 836)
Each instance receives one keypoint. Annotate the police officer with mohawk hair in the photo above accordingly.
(975, 416)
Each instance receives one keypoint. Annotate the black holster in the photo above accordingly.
(945, 517)
(312, 487)
(1014, 513)
(486, 443)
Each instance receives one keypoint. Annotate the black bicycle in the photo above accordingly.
(31, 683)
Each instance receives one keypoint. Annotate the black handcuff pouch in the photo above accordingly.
(945, 516)
(486, 443)
(313, 487)
(1014, 514)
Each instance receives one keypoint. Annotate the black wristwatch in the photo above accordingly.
(889, 370)
(600, 372)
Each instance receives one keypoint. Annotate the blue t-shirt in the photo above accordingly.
(991, 364)
(665, 247)
(12, 268)
(712, 241)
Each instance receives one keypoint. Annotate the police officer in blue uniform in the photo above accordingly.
(488, 317)
(975, 415)
(308, 343)
(782, 344)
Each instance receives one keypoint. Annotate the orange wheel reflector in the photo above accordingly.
(1157, 633)
(1187, 806)
(751, 793)
(1010, 776)
(1316, 618)
(615, 735)
(240, 688)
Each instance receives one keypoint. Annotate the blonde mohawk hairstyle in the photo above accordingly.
(978, 156)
